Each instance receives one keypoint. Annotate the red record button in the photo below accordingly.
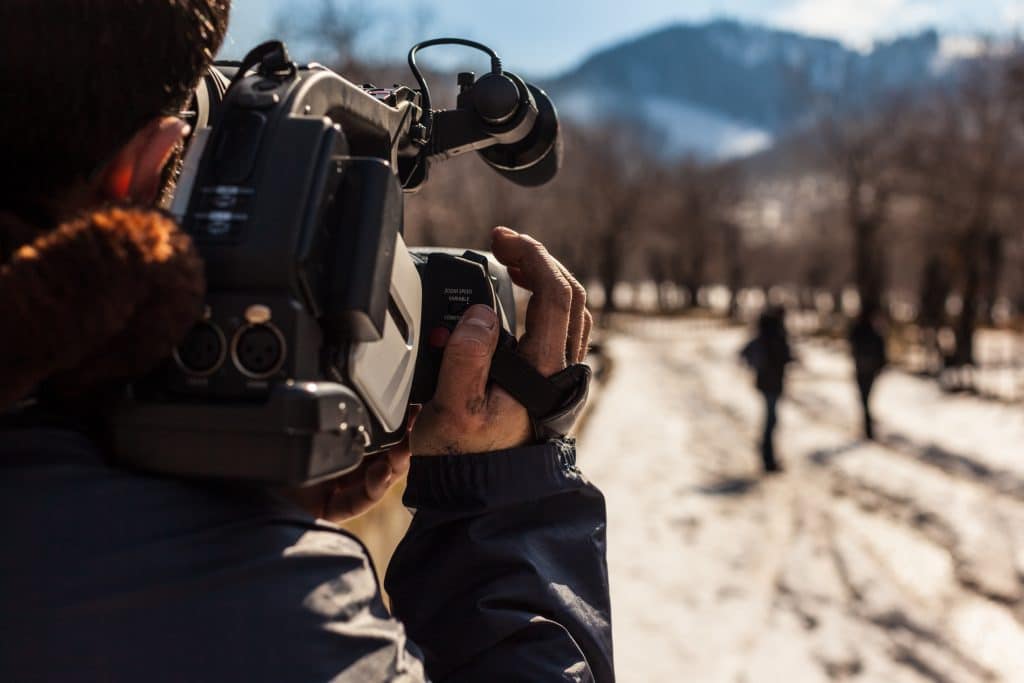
(438, 337)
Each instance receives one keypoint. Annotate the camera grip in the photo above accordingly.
(452, 282)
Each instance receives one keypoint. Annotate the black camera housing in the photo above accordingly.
(309, 346)
(453, 280)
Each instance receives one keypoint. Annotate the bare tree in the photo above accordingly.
(966, 162)
(733, 264)
(691, 235)
(863, 149)
(333, 28)
(605, 184)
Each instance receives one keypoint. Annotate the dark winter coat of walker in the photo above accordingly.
(869, 359)
(768, 354)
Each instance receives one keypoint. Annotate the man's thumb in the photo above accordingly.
(467, 357)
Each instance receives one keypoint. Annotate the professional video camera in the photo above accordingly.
(321, 326)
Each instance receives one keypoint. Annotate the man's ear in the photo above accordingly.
(134, 174)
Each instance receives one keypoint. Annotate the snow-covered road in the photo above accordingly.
(894, 561)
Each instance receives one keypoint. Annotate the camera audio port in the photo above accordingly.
(258, 350)
(203, 350)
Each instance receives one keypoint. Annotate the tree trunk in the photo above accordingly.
(992, 275)
(656, 268)
(734, 267)
(610, 268)
(967, 323)
(692, 290)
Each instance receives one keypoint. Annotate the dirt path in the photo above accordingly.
(893, 561)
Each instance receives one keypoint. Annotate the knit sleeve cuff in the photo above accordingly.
(481, 481)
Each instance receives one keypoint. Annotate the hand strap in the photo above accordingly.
(553, 403)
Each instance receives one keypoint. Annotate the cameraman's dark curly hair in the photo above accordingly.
(92, 299)
(81, 77)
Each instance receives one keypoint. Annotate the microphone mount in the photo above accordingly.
(512, 124)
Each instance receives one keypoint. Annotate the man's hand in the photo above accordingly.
(352, 494)
(468, 416)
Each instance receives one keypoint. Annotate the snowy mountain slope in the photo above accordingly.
(725, 88)
(680, 129)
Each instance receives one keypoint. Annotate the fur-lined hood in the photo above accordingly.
(96, 301)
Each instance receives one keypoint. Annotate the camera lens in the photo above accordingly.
(203, 350)
(258, 350)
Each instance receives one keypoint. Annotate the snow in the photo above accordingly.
(702, 132)
(897, 560)
(682, 128)
(748, 45)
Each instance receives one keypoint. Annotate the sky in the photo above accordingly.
(546, 37)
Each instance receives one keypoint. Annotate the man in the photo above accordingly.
(768, 354)
(116, 576)
(869, 359)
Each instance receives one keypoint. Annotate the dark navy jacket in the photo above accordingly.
(112, 576)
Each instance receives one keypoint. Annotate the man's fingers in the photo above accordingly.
(399, 456)
(378, 480)
(577, 318)
(517, 277)
(580, 321)
(462, 382)
(352, 498)
(588, 324)
(399, 461)
(550, 307)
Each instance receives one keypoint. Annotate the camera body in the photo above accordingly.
(320, 325)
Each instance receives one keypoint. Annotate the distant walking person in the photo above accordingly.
(768, 354)
(869, 358)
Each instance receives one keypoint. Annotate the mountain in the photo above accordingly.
(725, 89)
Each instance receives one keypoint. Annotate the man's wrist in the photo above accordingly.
(479, 481)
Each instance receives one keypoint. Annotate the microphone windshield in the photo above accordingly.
(535, 159)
